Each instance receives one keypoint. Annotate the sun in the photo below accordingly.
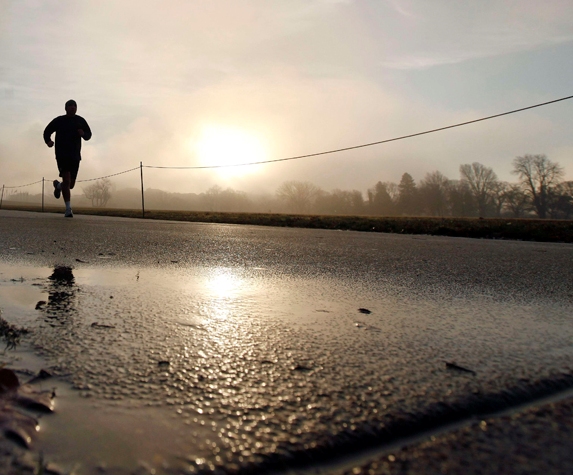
(228, 147)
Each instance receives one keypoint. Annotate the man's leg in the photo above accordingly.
(67, 183)
(58, 184)
(57, 189)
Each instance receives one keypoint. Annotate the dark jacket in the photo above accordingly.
(68, 141)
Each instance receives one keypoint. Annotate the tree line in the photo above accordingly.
(539, 192)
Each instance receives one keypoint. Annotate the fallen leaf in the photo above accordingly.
(15, 425)
(18, 427)
(8, 380)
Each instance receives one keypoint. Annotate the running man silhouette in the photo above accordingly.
(69, 129)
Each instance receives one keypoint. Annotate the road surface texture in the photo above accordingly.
(201, 348)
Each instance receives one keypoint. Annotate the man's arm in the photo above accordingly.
(85, 130)
(48, 131)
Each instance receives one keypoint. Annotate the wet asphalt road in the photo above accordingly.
(534, 441)
(251, 343)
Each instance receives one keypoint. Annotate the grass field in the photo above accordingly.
(489, 228)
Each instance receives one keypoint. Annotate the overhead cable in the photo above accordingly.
(298, 157)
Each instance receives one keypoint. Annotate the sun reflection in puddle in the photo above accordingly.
(223, 283)
(224, 287)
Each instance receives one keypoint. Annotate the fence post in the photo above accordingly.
(1, 196)
(42, 194)
(142, 197)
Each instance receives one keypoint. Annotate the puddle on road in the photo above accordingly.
(88, 432)
(84, 435)
(20, 290)
(88, 435)
(166, 366)
(19, 295)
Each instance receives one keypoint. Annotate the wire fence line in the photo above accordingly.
(108, 176)
(22, 186)
(297, 157)
(43, 181)
(78, 181)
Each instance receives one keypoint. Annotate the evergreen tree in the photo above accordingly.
(407, 195)
(379, 200)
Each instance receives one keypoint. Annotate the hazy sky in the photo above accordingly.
(193, 83)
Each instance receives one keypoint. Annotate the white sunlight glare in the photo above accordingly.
(218, 145)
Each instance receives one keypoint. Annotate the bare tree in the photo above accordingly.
(393, 190)
(99, 193)
(461, 199)
(539, 176)
(482, 181)
(217, 199)
(434, 193)
(567, 188)
(300, 195)
(212, 196)
(234, 201)
(21, 196)
(516, 200)
(340, 202)
(561, 201)
(499, 196)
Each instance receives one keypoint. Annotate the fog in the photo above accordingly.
(538, 192)
(195, 84)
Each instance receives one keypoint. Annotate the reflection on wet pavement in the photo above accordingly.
(61, 296)
(203, 367)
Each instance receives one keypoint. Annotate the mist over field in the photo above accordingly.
(539, 191)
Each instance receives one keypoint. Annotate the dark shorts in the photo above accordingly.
(68, 165)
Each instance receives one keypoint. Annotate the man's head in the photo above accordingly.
(71, 107)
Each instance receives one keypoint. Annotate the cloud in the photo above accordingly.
(303, 76)
(441, 32)
(400, 7)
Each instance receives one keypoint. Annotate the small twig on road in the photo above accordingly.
(456, 367)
